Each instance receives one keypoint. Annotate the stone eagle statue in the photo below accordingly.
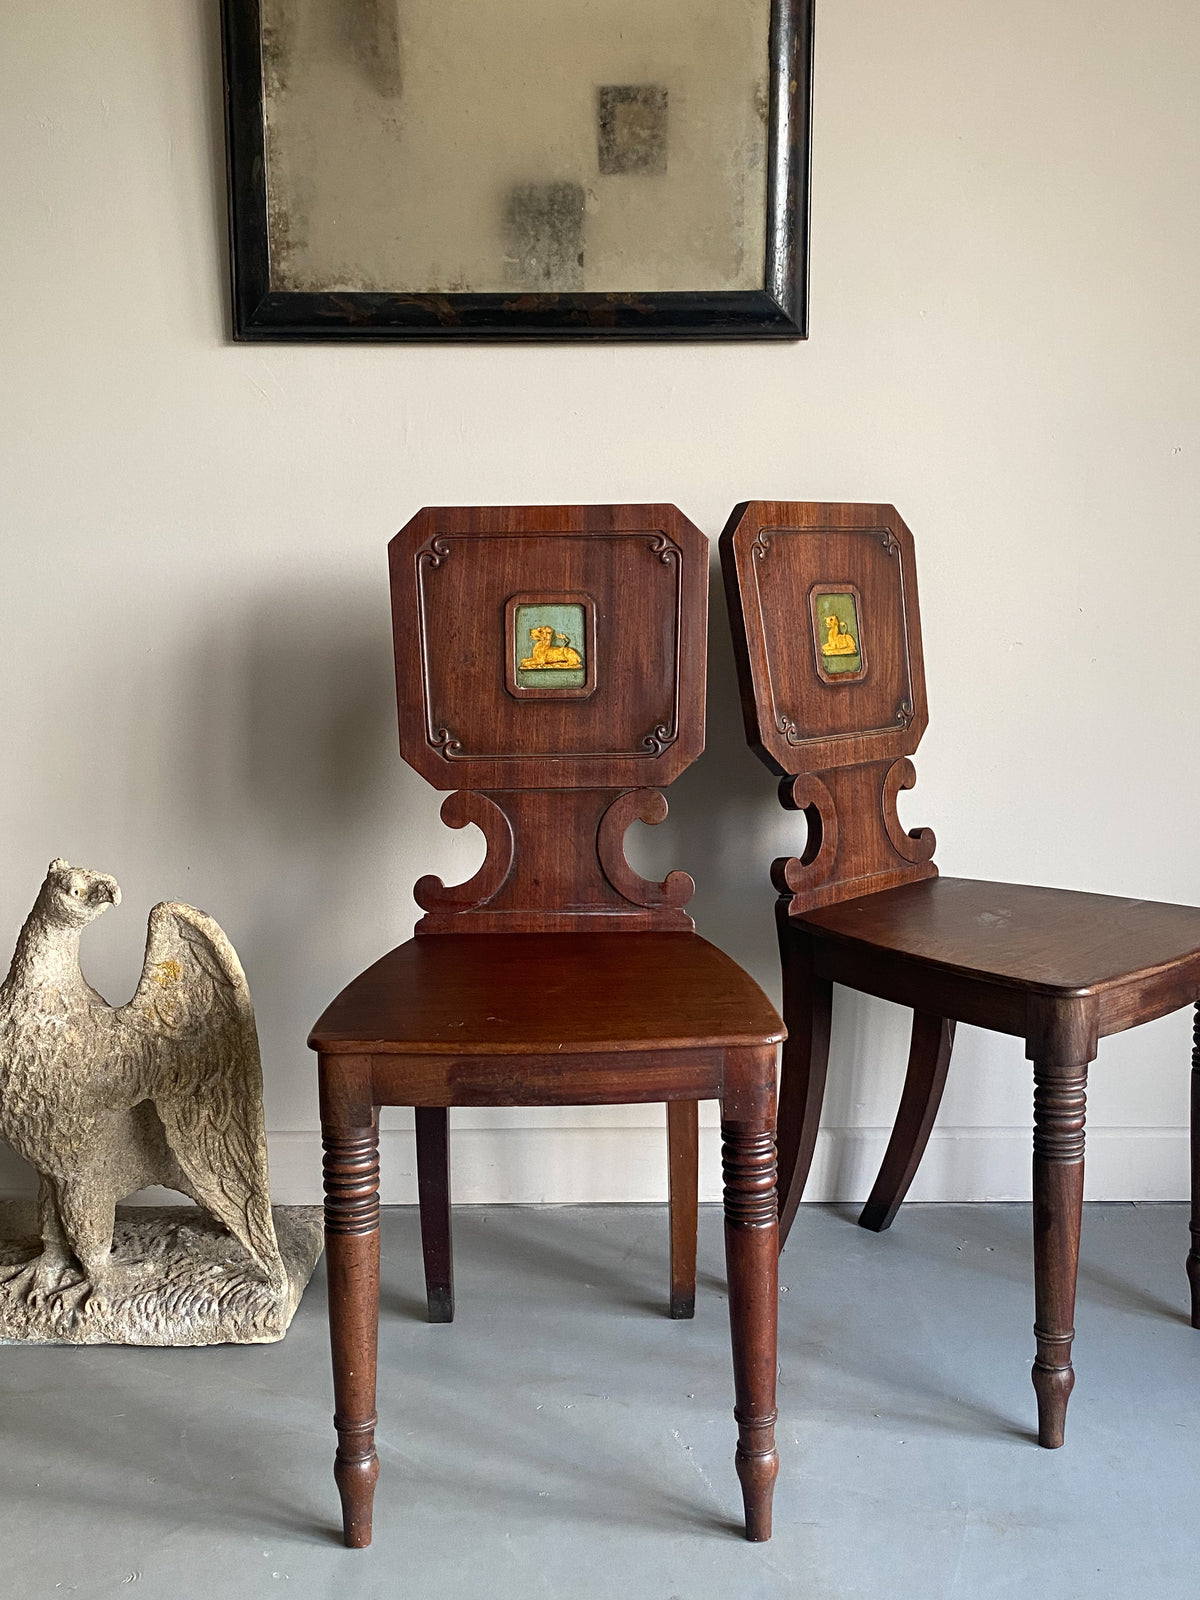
(104, 1100)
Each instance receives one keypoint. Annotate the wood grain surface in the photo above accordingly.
(838, 713)
(556, 974)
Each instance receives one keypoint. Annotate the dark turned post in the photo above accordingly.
(351, 1174)
(432, 1125)
(683, 1135)
(752, 1265)
(1193, 1260)
(1062, 1040)
(1059, 1101)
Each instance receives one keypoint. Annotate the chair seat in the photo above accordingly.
(507, 994)
(1057, 941)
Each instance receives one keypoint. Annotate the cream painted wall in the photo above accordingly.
(195, 638)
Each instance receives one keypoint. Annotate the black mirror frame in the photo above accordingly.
(778, 311)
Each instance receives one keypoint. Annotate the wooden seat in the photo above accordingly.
(1012, 935)
(550, 670)
(823, 602)
(469, 994)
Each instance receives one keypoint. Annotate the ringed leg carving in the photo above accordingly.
(1059, 1107)
(807, 1013)
(1193, 1260)
(683, 1153)
(928, 1064)
(433, 1197)
(352, 1258)
(752, 1264)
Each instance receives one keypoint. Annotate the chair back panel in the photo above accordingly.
(823, 600)
(550, 648)
(827, 635)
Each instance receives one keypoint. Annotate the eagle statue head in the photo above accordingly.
(73, 896)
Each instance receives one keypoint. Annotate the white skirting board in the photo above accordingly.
(565, 1165)
(529, 1166)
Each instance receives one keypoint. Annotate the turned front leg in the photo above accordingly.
(752, 1263)
(352, 1263)
(1193, 1260)
(1059, 1105)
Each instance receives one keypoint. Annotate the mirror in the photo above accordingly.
(413, 160)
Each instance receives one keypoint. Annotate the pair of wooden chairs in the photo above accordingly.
(550, 671)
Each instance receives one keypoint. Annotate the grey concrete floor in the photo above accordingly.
(565, 1438)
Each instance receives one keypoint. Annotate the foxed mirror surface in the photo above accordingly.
(528, 146)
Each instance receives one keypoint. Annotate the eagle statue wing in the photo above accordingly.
(193, 1012)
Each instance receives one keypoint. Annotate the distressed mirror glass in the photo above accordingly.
(522, 166)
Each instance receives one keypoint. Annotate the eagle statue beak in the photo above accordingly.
(105, 890)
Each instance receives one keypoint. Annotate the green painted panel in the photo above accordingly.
(561, 650)
(838, 638)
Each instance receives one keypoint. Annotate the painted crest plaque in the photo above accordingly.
(837, 633)
(550, 646)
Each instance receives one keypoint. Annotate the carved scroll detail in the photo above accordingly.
(458, 809)
(660, 736)
(795, 874)
(638, 805)
(434, 553)
(920, 843)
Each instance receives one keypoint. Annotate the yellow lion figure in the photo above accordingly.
(548, 654)
(839, 641)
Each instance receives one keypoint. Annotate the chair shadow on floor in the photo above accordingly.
(1011, 1246)
(197, 1468)
(628, 1277)
(998, 1247)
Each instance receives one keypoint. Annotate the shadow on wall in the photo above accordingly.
(276, 797)
(296, 694)
(254, 769)
(726, 827)
(286, 763)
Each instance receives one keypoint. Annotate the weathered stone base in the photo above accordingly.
(190, 1282)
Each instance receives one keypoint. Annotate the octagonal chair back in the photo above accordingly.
(550, 674)
(823, 605)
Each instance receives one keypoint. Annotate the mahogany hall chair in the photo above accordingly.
(550, 672)
(823, 602)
